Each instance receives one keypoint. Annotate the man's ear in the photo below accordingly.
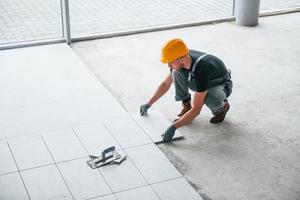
(183, 59)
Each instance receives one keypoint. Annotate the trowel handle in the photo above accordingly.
(108, 152)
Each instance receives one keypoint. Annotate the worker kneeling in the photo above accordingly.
(203, 73)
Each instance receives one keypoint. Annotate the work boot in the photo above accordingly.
(220, 116)
(186, 106)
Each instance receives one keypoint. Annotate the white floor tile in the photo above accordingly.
(88, 85)
(107, 197)
(33, 93)
(95, 138)
(64, 145)
(127, 132)
(145, 193)
(30, 151)
(83, 181)
(155, 124)
(50, 90)
(42, 117)
(45, 183)
(152, 163)
(12, 187)
(8, 125)
(90, 109)
(7, 163)
(176, 189)
(123, 177)
(12, 97)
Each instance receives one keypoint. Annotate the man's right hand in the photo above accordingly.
(144, 108)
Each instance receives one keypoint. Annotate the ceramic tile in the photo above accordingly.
(152, 163)
(145, 193)
(12, 97)
(127, 132)
(8, 124)
(41, 117)
(86, 184)
(106, 197)
(7, 163)
(45, 183)
(154, 124)
(12, 187)
(90, 109)
(49, 90)
(30, 151)
(64, 145)
(123, 176)
(88, 85)
(95, 138)
(33, 93)
(176, 189)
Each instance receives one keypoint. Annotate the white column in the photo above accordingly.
(247, 12)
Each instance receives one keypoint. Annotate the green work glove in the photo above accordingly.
(144, 108)
(168, 134)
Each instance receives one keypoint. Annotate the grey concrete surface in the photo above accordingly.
(255, 152)
(38, 19)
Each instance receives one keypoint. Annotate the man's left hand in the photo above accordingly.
(168, 134)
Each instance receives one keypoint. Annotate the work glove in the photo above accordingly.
(144, 108)
(168, 134)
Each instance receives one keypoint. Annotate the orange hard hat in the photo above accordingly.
(172, 50)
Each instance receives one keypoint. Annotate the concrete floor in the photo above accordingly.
(255, 152)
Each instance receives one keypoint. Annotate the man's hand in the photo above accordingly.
(144, 108)
(168, 134)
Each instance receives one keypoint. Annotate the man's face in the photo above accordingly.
(176, 65)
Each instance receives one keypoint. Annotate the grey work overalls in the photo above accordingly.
(218, 89)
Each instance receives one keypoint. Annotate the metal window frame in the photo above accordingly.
(67, 38)
(65, 14)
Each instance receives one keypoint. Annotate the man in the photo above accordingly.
(203, 73)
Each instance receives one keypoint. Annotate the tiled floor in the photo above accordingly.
(61, 115)
(154, 125)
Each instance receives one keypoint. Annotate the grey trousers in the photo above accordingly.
(215, 97)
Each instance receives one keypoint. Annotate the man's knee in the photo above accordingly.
(216, 93)
(215, 97)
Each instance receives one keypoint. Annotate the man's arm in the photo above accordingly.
(161, 90)
(188, 117)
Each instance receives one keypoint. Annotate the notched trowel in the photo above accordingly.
(108, 156)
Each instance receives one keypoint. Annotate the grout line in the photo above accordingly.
(155, 192)
(105, 126)
(110, 132)
(132, 188)
(139, 145)
(7, 173)
(19, 171)
(32, 133)
(150, 184)
(143, 176)
(88, 153)
(70, 126)
(171, 179)
(40, 166)
(101, 196)
(131, 116)
(58, 168)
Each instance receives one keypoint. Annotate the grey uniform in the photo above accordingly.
(207, 73)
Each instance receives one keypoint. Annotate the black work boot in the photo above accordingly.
(220, 116)
(186, 106)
